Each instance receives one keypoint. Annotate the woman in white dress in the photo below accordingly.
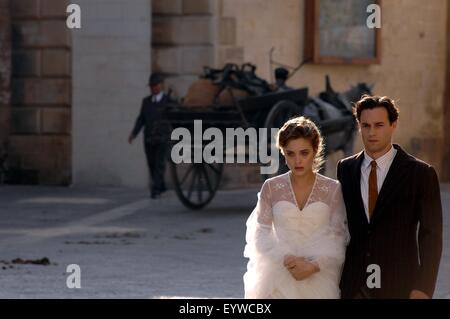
(297, 234)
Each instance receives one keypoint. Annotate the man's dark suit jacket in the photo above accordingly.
(150, 115)
(404, 236)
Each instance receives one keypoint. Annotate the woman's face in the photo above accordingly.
(299, 155)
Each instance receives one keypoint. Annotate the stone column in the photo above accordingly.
(445, 176)
(111, 66)
(5, 72)
(40, 139)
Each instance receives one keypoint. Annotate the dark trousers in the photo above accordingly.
(362, 294)
(156, 160)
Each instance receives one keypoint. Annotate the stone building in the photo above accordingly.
(39, 142)
(75, 93)
(5, 72)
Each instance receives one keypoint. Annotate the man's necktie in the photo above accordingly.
(373, 187)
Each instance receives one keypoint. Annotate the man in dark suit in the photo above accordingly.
(394, 212)
(156, 133)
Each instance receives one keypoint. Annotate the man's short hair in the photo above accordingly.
(370, 102)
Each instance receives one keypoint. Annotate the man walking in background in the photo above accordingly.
(156, 133)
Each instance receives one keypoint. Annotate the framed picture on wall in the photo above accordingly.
(337, 32)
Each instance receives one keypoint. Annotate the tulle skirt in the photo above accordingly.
(266, 279)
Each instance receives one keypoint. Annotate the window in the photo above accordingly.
(337, 32)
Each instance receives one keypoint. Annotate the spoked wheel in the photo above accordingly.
(278, 115)
(196, 183)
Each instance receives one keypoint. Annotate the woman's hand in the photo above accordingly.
(417, 294)
(299, 268)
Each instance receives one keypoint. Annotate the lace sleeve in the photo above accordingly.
(336, 237)
(339, 218)
(261, 239)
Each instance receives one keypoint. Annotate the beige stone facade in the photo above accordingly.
(189, 34)
(111, 56)
(183, 40)
(412, 69)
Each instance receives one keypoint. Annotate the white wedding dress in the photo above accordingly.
(277, 227)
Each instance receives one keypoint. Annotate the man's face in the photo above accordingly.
(156, 89)
(376, 130)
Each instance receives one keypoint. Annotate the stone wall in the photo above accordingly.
(446, 130)
(5, 73)
(40, 138)
(227, 49)
(183, 40)
(111, 66)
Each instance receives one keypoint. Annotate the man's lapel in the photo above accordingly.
(357, 187)
(390, 184)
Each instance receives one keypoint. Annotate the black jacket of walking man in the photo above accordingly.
(156, 133)
(394, 213)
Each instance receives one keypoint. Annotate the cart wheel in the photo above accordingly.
(196, 183)
(278, 115)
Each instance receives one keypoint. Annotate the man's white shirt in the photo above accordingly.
(157, 98)
(383, 165)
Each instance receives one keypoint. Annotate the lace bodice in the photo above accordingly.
(279, 189)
